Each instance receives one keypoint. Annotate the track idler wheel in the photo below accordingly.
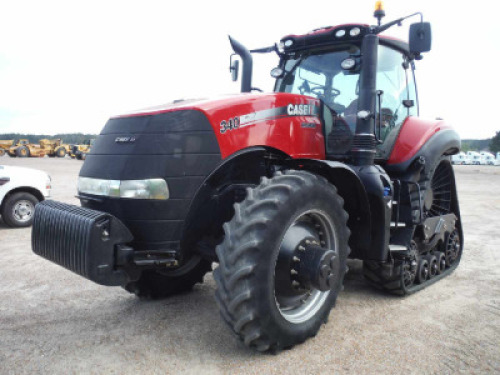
(422, 271)
(452, 250)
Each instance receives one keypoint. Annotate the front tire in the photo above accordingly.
(261, 296)
(18, 209)
(160, 284)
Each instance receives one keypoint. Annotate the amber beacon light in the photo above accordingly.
(379, 12)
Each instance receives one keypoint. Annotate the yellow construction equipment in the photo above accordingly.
(80, 151)
(48, 147)
(5, 145)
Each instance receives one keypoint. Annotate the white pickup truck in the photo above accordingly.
(20, 190)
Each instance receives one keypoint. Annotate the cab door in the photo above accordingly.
(396, 98)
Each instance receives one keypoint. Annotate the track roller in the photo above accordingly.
(423, 271)
(433, 265)
(441, 261)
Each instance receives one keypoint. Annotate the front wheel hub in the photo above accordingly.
(307, 267)
(317, 268)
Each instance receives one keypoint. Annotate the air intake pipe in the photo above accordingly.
(246, 58)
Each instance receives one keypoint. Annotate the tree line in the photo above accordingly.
(77, 138)
(491, 144)
(68, 138)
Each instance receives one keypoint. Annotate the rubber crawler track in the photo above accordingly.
(377, 275)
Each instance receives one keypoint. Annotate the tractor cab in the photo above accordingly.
(364, 81)
(327, 64)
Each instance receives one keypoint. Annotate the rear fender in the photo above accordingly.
(420, 138)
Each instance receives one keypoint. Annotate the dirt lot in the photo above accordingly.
(54, 322)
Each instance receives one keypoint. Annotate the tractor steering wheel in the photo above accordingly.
(320, 91)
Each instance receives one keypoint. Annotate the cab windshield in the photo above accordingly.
(319, 74)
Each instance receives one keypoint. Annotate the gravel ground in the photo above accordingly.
(55, 322)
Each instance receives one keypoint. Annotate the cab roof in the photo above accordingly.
(326, 36)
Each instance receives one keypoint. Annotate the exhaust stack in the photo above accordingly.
(246, 58)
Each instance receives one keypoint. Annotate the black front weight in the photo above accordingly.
(82, 240)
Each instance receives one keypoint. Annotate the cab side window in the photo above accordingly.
(393, 87)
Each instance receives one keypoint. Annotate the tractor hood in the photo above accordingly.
(232, 103)
(190, 138)
(246, 120)
(202, 129)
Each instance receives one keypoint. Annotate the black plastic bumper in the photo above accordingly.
(82, 240)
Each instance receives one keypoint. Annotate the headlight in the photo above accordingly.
(340, 33)
(355, 31)
(348, 64)
(155, 188)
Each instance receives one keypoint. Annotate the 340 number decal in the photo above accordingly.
(231, 124)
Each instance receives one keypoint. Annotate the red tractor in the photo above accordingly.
(279, 189)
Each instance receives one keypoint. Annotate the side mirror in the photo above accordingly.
(234, 68)
(420, 37)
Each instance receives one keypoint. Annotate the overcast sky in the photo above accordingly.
(66, 66)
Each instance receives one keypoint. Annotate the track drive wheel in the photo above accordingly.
(283, 260)
(160, 284)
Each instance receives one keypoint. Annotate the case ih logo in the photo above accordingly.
(125, 139)
(300, 109)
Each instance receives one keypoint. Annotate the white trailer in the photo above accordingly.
(487, 158)
(460, 159)
(474, 157)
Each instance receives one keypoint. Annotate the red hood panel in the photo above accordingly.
(287, 122)
(220, 103)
